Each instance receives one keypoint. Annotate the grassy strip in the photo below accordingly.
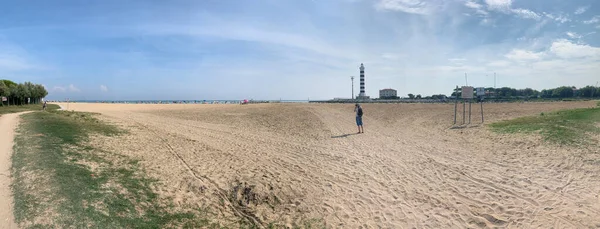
(59, 181)
(567, 127)
(33, 107)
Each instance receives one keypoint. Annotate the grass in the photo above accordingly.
(33, 107)
(60, 181)
(566, 127)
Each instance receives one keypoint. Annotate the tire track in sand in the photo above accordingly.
(243, 213)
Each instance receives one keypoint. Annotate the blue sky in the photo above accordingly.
(295, 49)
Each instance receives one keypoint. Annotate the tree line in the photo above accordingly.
(558, 93)
(21, 93)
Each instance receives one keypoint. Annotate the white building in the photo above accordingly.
(387, 93)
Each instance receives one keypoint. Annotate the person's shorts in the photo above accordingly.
(359, 121)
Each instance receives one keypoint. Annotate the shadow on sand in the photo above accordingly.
(344, 135)
(464, 127)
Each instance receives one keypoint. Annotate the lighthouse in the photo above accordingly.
(362, 94)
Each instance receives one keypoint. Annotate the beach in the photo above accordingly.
(303, 163)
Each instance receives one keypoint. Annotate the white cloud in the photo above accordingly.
(473, 5)
(59, 89)
(486, 21)
(562, 19)
(566, 49)
(391, 56)
(523, 55)
(103, 88)
(573, 35)
(232, 31)
(499, 63)
(525, 13)
(407, 6)
(504, 6)
(581, 10)
(499, 4)
(595, 19)
(457, 61)
(72, 88)
(477, 7)
(456, 69)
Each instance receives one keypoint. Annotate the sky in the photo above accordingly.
(295, 49)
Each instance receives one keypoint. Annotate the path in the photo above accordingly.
(8, 123)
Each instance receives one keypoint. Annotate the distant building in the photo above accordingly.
(388, 93)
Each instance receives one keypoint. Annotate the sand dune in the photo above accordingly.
(298, 163)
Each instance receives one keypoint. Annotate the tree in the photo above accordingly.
(31, 92)
(23, 93)
(419, 96)
(562, 92)
(18, 94)
(546, 93)
(11, 93)
(527, 92)
(587, 91)
(9, 83)
(4, 90)
(438, 96)
(411, 96)
(42, 92)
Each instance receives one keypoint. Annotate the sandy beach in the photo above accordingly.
(299, 163)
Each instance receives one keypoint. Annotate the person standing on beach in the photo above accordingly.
(359, 114)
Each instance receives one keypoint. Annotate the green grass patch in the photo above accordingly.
(33, 107)
(566, 127)
(60, 181)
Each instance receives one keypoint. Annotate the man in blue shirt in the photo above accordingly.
(359, 114)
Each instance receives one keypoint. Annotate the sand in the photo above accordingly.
(298, 163)
(8, 123)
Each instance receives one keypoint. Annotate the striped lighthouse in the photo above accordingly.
(362, 82)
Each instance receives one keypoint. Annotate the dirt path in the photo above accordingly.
(8, 123)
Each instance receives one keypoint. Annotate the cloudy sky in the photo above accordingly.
(295, 49)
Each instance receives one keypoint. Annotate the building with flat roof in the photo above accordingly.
(388, 93)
